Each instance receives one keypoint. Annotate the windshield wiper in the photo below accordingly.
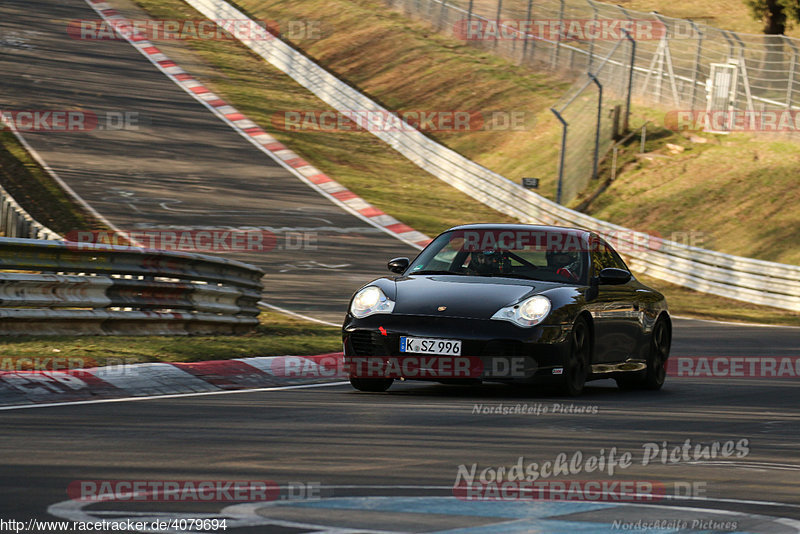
(509, 275)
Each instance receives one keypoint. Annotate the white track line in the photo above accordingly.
(732, 323)
(71, 192)
(295, 314)
(172, 396)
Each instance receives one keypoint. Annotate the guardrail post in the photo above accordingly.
(562, 155)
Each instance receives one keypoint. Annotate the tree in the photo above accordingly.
(775, 14)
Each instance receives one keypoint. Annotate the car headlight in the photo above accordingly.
(370, 300)
(529, 312)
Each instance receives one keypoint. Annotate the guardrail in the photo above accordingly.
(16, 222)
(735, 277)
(89, 289)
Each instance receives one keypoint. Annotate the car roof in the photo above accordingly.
(528, 227)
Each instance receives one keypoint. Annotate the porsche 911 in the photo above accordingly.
(508, 303)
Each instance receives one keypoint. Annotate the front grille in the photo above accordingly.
(362, 343)
(369, 343)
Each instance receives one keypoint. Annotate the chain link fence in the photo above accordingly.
(593, 113)
(721, 80)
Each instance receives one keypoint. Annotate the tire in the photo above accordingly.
(660, 342)
(372, 385)
(576, 368)
(653, 376)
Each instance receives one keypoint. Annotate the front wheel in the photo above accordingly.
(579, 360)
(372, 385)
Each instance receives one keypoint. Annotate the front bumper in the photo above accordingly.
(493, 350)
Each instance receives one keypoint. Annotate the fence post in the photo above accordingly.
(560, 32)
(668, 60)
(599, 119)
(591, 41)
(792, 66)
(697, 56)
(469, 15)
(562, 155)
(631, 64)
(527, 34)
(441, 15)
(746, 78)
(497, 21)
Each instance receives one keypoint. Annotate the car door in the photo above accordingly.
(615, 310)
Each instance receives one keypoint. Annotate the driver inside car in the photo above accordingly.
(488, 262)
(566, 264)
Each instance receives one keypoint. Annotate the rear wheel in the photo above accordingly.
(657, 359)
(656, 372)
(578, 362)
(373, 385)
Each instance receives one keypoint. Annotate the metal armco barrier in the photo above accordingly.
(15, 221)
(88, 289)
(745, 279)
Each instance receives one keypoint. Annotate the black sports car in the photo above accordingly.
(508, 303)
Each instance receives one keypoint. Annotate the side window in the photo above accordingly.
(618, 263)
(603, 256)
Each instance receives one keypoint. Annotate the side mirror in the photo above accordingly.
(614, 276)
(398, 265)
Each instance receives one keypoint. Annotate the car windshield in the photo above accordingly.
(549, 255)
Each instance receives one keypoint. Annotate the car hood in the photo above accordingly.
(462, 296)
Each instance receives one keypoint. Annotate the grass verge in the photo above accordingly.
(277, 335)
(37, 193)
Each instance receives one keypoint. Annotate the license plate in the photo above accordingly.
(425, 345)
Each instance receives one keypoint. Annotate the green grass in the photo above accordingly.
(278, 334)
(735, 193)
(37, 192)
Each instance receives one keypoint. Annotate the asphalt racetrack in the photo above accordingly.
(348, 461)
